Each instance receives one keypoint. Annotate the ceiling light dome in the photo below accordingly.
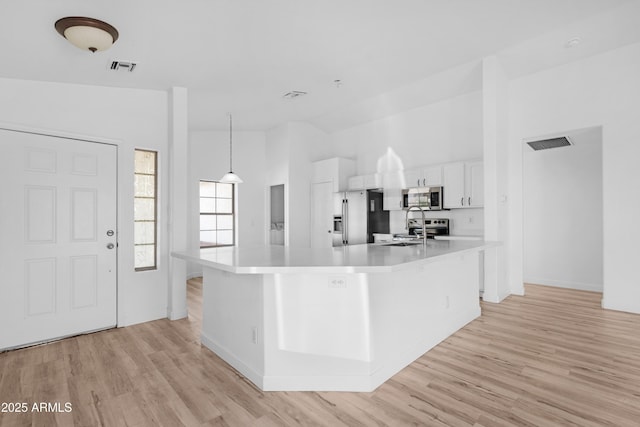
(87, 33)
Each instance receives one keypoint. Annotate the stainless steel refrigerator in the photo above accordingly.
(358, 214)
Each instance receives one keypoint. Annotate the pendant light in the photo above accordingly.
(230, 177)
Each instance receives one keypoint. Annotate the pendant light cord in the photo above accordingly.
(230, 143)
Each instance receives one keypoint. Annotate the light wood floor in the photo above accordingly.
(550, 358)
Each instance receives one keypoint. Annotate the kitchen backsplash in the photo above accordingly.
(462, 222)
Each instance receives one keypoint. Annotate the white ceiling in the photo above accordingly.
(241, 56)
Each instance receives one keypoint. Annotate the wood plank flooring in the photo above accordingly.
(551, 358)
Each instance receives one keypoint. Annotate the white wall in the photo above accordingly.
(290, 150)
(442, 132)
(495, 107)
(445, 131)
(178, 200)
(303, 137)
(563, 214)
(133, 119)
(601, 90)
(209, 160)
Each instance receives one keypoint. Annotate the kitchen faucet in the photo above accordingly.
(424, 226)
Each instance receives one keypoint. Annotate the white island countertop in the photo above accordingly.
(367, 258)
(362, 314)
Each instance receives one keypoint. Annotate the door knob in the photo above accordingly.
(110, 246)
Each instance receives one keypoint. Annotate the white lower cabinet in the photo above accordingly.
(463, 184)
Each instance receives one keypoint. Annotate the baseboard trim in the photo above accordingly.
(627, 308)
(578, 286)
(231, 359)
(181, 314)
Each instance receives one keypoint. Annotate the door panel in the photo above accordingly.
(84, 214)
(58, 200)
(322, 215)
(40, 214)
(40, 286)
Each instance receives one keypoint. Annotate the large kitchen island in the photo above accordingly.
(343, 319)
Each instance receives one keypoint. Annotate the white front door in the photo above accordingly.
(58, 237)
(322, 215)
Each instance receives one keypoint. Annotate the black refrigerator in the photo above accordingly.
(377, 219)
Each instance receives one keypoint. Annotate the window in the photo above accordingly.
(145, 209)
(217, 221)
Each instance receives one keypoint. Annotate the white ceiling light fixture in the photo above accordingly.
(87, 33)
(230, 177)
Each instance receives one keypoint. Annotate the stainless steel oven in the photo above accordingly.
(433, 227)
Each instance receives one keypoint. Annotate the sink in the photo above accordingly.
(404, 244)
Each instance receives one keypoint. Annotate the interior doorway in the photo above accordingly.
(563, 210)
(276, 229)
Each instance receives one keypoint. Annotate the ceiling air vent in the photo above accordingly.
(123, 66)
(545, 144)
(293, 94)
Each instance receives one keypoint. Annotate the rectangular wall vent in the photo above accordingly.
(545, 144)
(123, 66)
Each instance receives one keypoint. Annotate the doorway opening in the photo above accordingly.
(563, 211)
(276, 234)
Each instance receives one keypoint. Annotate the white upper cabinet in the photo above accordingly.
(453, 177)
(474, 175)
(393, 183)
(427, 177)
(413, 178)
(432, 176)
(392, 200)
(336, 170)
(365, 182)
(393, 180)
(373, 180)
(356, 182)
(463, 184)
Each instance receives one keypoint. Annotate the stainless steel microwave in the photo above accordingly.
(427, 198)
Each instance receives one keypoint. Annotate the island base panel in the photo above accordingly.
(344, 332)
